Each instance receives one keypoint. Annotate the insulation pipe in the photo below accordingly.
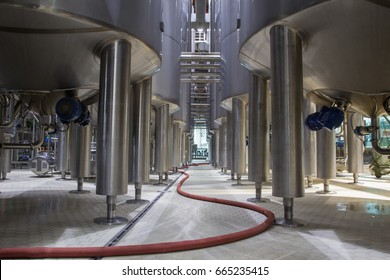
(165, 247)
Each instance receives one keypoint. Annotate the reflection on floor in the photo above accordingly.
(351, 223)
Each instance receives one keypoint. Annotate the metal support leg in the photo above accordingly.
(309, 181)
(80, 182)
(258, 198)
(326, 189)
(287, 118)
(113, 122)
(137, 199)
(355, 178)
(112, 218)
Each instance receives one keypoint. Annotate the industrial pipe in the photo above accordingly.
(113, 115)
(287, 118)
(31, 146)
(156, 248)
(374, 138)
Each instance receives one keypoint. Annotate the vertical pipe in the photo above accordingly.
(81, 155)
(162, 156)
(310, 146)
(326, 157)
(355, 146)
(239, 143)
(259, 142)
(113, 117)
(287, 117)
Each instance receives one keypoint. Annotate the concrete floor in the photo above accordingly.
(352, 223)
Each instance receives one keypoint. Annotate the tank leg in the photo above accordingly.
(288, 178)
(112, 218)
(258, 198)
(137, 199)
(288, 221)
(355, 178)
(309, 181)
(113, 122)
(80, 182)
(326, 189)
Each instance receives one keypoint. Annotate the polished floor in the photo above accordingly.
(351, 223)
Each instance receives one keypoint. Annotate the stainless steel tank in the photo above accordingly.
(345, 46)
(51, 48)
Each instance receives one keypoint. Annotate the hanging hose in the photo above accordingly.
(165, 247)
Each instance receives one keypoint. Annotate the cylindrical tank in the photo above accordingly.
(335, 57)
(67, 37)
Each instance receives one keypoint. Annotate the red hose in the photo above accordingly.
(165, 247)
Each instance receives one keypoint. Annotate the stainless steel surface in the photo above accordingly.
(112, 142)
(287, 113)
(80, 150)
(310, 141)
(63, 152)
(166, 82)
(162, 122)
(326, 154)
(239, 137)
(53, 44)
(259, 131)
(111, 218)
(345, 51)
(355, 145)
(236, 79)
